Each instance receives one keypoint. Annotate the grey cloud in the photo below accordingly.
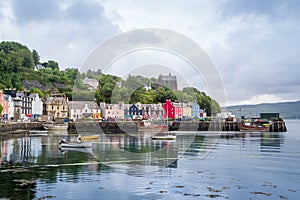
(84, 12)
(41, 11)
(272, 8)
(53, 31)
(32, 10)
(260, 57)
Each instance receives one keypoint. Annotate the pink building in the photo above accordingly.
(115, 111)
(1, 100)
(4, 105)
(178, 110)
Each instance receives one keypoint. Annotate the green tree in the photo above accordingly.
(36, 57)
(17, 56)
(164, 93)
(38, 91)
(53, 65)
(27, 59)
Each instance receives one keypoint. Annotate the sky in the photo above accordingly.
(254, 45)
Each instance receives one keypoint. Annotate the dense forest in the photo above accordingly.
(22, 69)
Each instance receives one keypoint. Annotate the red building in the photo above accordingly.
(173, 111)
(169, 111)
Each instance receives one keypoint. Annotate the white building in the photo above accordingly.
(83, 110)
(36, 104)
(93, 83)
(224, 115)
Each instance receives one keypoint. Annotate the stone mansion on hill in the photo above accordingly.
(23, 105)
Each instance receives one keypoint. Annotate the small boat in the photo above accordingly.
(89, 137)
(81, 150)
(38, 132)
(64, 144)
(56, 127)
(164, 137)
(148, 126)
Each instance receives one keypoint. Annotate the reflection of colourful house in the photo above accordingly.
(169, 111)
(196, 109)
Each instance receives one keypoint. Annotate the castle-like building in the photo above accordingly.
(169, 81)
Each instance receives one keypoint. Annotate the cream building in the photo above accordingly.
(56, 106)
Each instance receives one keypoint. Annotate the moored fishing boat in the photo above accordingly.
(148, 126)
(254, 127)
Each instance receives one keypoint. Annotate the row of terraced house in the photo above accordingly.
(23, 105)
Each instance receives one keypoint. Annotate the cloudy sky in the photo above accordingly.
(254, 44)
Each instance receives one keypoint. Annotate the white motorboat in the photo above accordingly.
(164, 137)
(57, 127)
(64, 144)
(38, 132)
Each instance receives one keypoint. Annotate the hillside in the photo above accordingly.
(287, 110)
(21, 68)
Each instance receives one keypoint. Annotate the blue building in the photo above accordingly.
(135, 111)
(196, 110)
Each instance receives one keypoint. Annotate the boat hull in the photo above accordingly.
(38, 132)
(244, 127)
(56, 127)
(163, 137)
(76, 145)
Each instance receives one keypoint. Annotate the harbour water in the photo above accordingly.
(251, 166)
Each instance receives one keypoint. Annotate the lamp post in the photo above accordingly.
(17, 108)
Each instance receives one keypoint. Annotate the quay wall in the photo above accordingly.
(20, 126)
(103, 127)
(131, 127)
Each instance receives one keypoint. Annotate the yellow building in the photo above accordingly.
(186, 110)
(56, 106)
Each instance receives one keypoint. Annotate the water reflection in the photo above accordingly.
(43, 150)
(271, 142)
(27, 159)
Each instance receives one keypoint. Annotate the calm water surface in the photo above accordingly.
(259, 166)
